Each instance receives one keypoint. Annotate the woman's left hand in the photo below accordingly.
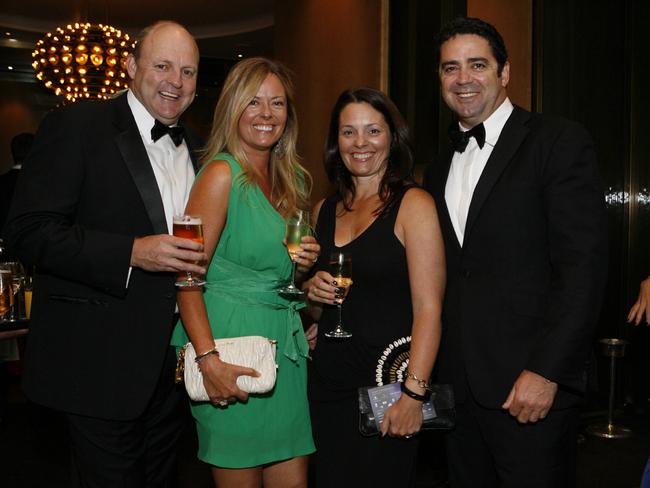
(403, 418)
(308, 256)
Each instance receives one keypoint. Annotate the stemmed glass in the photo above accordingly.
(297, 226)
(189, 227)
(340, 267)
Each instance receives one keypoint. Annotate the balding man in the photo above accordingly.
(93, 211)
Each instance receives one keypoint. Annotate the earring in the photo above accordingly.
(278, 150)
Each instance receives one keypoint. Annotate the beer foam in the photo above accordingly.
(187, 220)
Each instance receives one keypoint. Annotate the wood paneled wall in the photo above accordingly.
(330, 45)
(514, 21)
(19, 112)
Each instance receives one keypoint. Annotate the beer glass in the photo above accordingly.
(340, 267)
(297, 226)
(189, 227)
(18, 311)
(6, 295)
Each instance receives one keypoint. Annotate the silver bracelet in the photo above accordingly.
(200, 357)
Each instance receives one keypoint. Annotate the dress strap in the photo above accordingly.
(327, 220)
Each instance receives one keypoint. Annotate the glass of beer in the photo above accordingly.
(297, 226)
(340, 267)
(6, 295)
(188, 227)
(17, 271)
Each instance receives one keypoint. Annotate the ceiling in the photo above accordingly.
(206, 19)
(224, 29)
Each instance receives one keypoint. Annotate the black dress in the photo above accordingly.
(376, 311)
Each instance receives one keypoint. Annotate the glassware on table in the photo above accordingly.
(189, 227)
(340, 267)
(6, 295)
(28, 298)
(297, 226)
(18, 310)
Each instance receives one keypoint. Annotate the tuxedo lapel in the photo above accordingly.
(439, 187)
(513, 134)
(193, 146)
(135, 157)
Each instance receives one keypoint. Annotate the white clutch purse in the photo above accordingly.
(251, 351)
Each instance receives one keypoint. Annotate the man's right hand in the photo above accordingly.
(165, 252)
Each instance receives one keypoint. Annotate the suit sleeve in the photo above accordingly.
(43, 227)
(577, 242)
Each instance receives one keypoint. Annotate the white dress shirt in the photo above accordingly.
(172, 165)
(467, 167)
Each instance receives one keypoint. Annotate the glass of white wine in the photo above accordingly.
(340, 267)
(297, 226)
(189, 227)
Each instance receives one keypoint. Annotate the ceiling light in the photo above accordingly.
(240, 55)
(89, 55)
(10, 68)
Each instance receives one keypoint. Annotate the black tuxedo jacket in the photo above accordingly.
(95, 346)
(524, 290)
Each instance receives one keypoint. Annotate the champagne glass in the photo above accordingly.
(189, 227)
(297, 226)
(340, 267)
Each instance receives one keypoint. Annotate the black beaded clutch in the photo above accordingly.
(392, 366)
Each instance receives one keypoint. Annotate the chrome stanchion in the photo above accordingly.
(614, 349)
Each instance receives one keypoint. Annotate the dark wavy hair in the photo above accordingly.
(398, 176)
(471, 25)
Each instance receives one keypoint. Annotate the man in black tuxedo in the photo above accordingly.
(93, 212)
(522, 215)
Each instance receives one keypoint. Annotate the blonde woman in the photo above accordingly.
(250, 182)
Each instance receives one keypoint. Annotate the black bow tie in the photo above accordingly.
(459, 138)
(176, 133)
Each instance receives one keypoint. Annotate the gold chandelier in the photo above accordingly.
(83, 61)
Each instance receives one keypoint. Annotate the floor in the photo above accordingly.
(26, 463)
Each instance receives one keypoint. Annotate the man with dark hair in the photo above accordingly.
(93, 212)
(522, 214)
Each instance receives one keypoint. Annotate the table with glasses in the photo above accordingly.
(13, 329)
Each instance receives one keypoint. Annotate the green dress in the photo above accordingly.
(249, 264)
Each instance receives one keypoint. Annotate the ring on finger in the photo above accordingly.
(222, 403)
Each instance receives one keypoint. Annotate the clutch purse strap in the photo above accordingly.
(180, 366)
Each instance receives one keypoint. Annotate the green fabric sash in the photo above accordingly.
(238, 284)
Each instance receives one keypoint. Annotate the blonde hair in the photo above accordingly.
(290, 181)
